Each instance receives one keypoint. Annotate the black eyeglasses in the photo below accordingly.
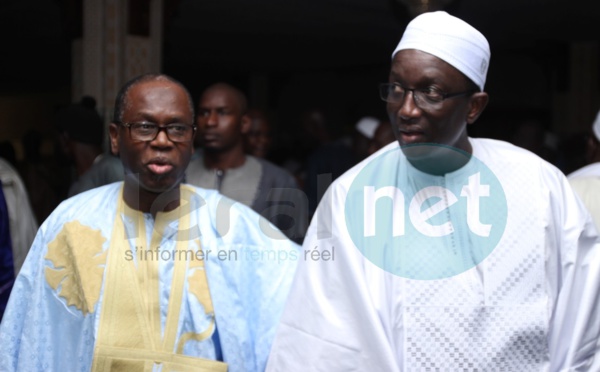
(426, 99)
(146, 131)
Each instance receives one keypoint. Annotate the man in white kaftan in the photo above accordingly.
(529, 305)
(419, 285)
(592, 154)
(149, 274)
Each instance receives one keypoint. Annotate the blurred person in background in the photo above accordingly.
(383, 136)
(586, 180)
(81, 136)
(223, 165)
(18, 227)
(258, 138)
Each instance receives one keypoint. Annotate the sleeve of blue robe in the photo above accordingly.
(38, 331)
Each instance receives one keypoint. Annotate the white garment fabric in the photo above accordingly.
(531, 305)
(23, 225)
(586, 183)
(588, 189)
(590, 170)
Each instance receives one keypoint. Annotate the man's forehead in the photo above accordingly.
(149, 95)
(150, 87)
(412, 54)
(218, 97)
(427, 66)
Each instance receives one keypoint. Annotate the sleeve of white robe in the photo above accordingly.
(330, 322)
(575, 322)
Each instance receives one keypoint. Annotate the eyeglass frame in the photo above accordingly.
(159, 128)
(416, 101)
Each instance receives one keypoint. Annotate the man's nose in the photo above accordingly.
(162, 139)
(212, 119)
(263, 139)
(408, 107)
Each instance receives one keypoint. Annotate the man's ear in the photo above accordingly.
(477, 104)
(246, 121)
(113, 131)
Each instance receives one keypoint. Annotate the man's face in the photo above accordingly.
(220, 121)
(446, 125)
(160, 163)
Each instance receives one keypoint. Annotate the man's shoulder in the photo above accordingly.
(232, 221)
(272, 168)
(195, 165)
(517, 164)
(196, 161)
(94, 208)
(80, 204)
(492, 151)
(99, 192)
(214, 202)
(499, 146)
(109, 167)
(8, 174)
(275, 174)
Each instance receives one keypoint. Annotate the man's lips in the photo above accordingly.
(208, 137)
(159, 166)
(412, 136)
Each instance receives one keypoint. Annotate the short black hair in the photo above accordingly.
(239, 96)
(121, 100)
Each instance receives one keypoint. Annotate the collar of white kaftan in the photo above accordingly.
(459, 173)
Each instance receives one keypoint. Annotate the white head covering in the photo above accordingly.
(367, 126)
(450, 39)
(596, 126)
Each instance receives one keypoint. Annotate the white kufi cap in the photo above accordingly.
(367, 126)
(450, 39)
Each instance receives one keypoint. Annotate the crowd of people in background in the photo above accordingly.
(79, 160)
(315, 157)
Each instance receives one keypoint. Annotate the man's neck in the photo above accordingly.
(437, 160)
(146, 201)
(233, 158)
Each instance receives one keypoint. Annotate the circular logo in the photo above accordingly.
(417, 220)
